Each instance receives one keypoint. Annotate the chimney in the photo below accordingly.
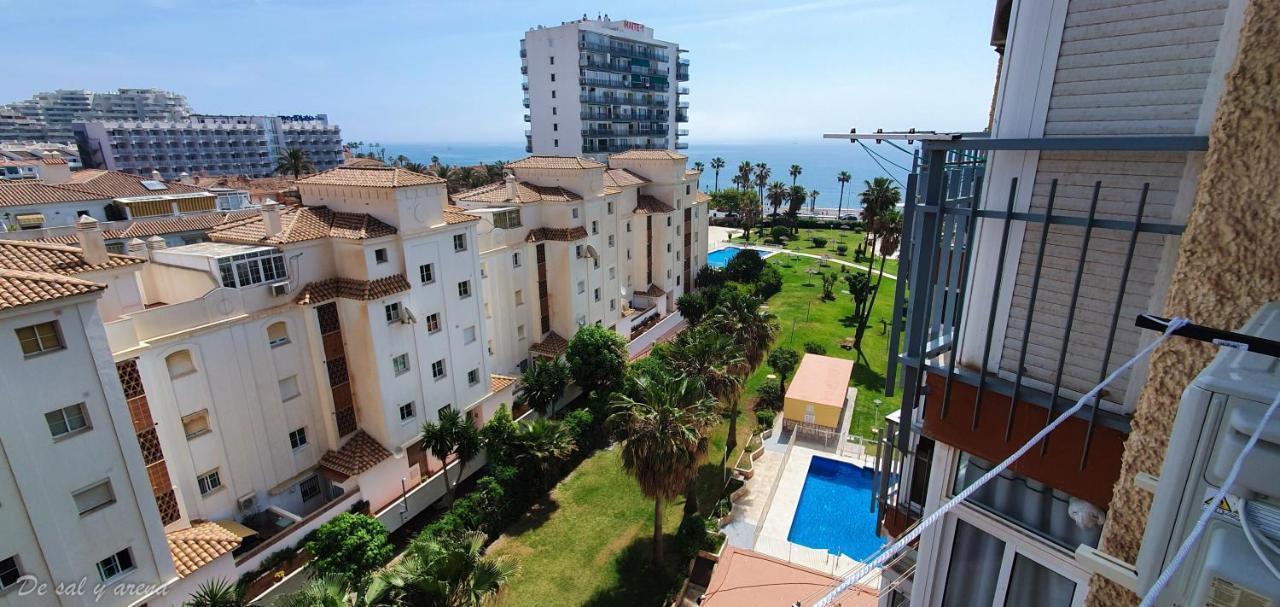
(92, 247)
(136, 248)
(185, 177)
(271, 218)
(512, 192)
(155, 175)
(155, 243)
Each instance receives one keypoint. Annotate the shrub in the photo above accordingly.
(496, 435)
(769, 282)
(813, 347)
(765, 417)
(692, 306)
(351, 547)
(597, 358)
(842, 248)
(745, 266)
(784, 360)
(819, 241)
(692, 536)
(779, 233)
(581, 425)
(769, 394)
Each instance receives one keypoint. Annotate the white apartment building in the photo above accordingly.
(207, 144)
(568, 241)
(597, 87)
(51, 204)
(47, 116)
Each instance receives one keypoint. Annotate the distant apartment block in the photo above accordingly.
(48, 116)
(207, 145)
(597, 87)
(24, 152)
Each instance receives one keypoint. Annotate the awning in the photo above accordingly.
(30, 220)
(236, 528)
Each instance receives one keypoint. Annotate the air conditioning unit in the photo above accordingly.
(247, 504)
(1219, 411)
(280, 288)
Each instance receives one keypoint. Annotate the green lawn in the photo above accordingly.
(589, 544)
(804, 244)
(803, 317)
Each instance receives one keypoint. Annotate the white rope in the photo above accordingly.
(1203, 521)
(885, 555)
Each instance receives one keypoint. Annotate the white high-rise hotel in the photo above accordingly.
(596, 87)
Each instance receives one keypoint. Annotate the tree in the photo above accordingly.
(597, 358)
(743, 179)
(745, 266)
(692, 306)
(813, 201)
(699, 167)
(542, 385)
(717, 163)
(323, 591)
(443, 572)
(216, 593)
(663, 439)
(294, 161)
(717, 360)
(349, 547)
(860, 291)
(496, 435)
(454, 434)
(794, 171)
(762, 178)
(842, 177)
(890, 234)
(879, 196)
(776, 195)
(828, 285)
(539, 446)
(796, 198)
(740, 315)
(784, 361)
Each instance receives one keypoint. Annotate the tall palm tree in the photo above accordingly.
(540, 445)
(794, 171)
(762, 182)
(442, 573)
(295, 161)
(776, 194)
(752, 327)
(454, 434)
(744, 174)
(843, 177)
(699, 167)
(813, 201)
(718, 360)
(796, 196)
(879, 196)
(663, 438)
(717, 163)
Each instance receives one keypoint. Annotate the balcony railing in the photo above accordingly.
(620, 147)
(682, 117)
(682, 145)
(607, 99)
(684, 90)
(682, 132)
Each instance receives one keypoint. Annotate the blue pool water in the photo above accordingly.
(834, 513)
(719, 258)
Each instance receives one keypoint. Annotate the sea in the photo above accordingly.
(820, 161)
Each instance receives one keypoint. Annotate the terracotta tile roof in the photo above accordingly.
(652, 291)
(620, 178)
(24, 192)
(350, 288)
(557, 234)
(525, 193)
(199, 545)
(454, 215)
(360, 453)
(498, 383)
(701, 197)
(19, 288)
(114, 184)
(555, 162)
(61, 259)
(371, 177)
(173, 225)
(609, 190)
(650, 154)
(646, 204)
(553, 345)
(53, 159)
(300, 224)
(363, 162)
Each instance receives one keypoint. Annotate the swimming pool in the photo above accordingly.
(719, 258)
(834, 513)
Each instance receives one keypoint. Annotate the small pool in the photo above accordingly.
(834, 513)
(719, 258)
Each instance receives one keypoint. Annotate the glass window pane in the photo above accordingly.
(974, 569)
(1034, 584)
(1033, 505)
(57, 424)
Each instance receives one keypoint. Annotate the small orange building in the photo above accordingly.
(818, 393)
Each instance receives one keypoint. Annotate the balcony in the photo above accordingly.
(598, 82)
(526, 118)
(682, 105)
(682, 145)
(524, 69)
(684, 90)
(682, 117)
(682, 132)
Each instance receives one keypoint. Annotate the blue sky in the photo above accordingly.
(399, 71)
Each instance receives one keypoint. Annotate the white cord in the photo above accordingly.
(1253, 541)
(886, 554)
(1203, 521)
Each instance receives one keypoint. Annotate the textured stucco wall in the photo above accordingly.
(1227, 266)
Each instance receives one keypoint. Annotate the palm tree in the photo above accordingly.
(295, 161)
(718, 360)
(744, 174)
(442, 573)
(813, 201)
(698, 166)
(794, 171)
(754, 328)
(541, 445)
(216, 593)
(542, 385)
(452, 435)
(717, 163)
(664, 438)
(879, 196)
(777, 194)
(843, 177)
(328, 591)
(795, 202)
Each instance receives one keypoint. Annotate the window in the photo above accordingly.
(392, 311)
(427, 273)
(180, 364)
(555, 126)
(309, 488)
(298, 438)
(613, 273)
(469, 334)
(507, 219)
(464, 289)
(578, 252)
(440, 413)
(575, 213)
(433, 322)
(595, 262)
(115, 565)
(597, 294)
(209, 482)
(553, 109)
(277, 334)
(611, 241)
(687, 189)
(613, 305)
(437, 369)
(460, 242)
(400, 363)
(555, 142)
(668, 247)
(41, 338)
(515, 260)
(582, 287)
(484, 270)
(406, 412)
(94, 498)
(67, 420)
(609, 207)
(628, 253)
(380, 256)
(10, 572)
(553, 77)
(473, 377)
(238, 271)
(553, 94)
(519, 297)
(196, 424)
(520, 332)
(595, 227)
(289, 388)
(628, 226)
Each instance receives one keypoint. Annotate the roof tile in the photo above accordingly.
(557, 234)
(27, 256)
(300, 224)
(350, 288)
(525, 193)
(498, 383)
(199, 545)
(552, 346)
(622, 177)
(371, 177)
(19, 288)
(646, 205)
(360, 453)
(649, 154)
(555, 162)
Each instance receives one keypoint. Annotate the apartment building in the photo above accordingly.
(47, 116)
(568, 241)
(1031, 248)
(594, 87)
(37, 151)
(206, 144)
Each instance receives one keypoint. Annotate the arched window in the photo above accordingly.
(180, 364)
(277, 334)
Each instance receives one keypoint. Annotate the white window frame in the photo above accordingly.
(459, 243)
(17, 568)
(297, 388)
(464, 289)
(202, 414)
(298, 438)
(413, 412)
(433, 322)
(380, 255)
(57, 342)
(400, 363)
(393, 312)
(115, 560)
(443, 371)
(111, 497)
(210, 482)
(61, 412)
(515, 259)
(473, 377)
(469, 338)
(278, 341)
(427, 273)
(519, 295)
